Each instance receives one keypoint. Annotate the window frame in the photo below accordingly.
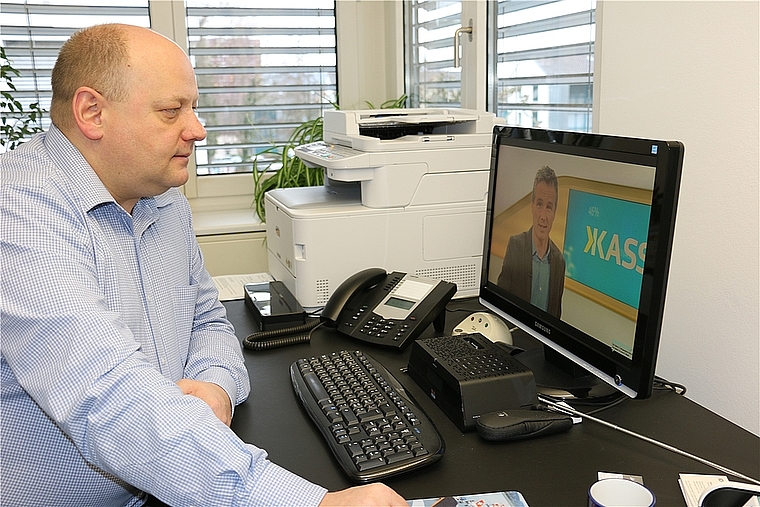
(360, 82)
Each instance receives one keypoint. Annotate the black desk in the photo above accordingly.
(554, 470)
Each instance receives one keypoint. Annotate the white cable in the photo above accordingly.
(568, 410)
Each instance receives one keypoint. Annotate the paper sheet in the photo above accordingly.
(230, 287)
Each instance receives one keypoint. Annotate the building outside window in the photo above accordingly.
(261, 70)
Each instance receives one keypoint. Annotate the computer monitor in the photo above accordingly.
(579, 229)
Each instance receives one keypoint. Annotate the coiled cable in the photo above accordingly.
(273, 338)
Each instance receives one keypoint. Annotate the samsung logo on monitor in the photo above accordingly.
(543, 328)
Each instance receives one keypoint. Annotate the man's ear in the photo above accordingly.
(87, 108)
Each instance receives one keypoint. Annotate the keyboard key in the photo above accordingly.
(371, 415)
(400, 456)
(370, 464)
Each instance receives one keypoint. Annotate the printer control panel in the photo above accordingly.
(327, 151)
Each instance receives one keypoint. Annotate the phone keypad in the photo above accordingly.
(379, 327)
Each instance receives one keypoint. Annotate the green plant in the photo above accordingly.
(17, 123)
(293, 172)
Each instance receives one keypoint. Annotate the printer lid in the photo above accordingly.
(412, 116)
(393, 127)
(339, 119)
(380, 129)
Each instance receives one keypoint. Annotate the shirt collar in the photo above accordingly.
(535, 250)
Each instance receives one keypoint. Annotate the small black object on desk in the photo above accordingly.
(518, 424)
(273, 306)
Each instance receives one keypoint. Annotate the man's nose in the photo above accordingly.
(200, 131)
(195, 130)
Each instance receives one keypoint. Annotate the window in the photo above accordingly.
(261, 72)
(32, 32)
(543, 56)
(540, 59)
(432, 79)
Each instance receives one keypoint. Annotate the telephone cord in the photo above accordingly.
(273, 338)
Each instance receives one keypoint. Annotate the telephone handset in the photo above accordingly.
(388, 309)
(362, 280)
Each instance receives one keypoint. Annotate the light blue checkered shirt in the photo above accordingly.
(101, 312)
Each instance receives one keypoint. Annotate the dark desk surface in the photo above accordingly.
(553, 470)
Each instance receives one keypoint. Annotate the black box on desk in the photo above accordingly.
(469, 375)
(273, 306)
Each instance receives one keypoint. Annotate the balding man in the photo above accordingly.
(119, 369)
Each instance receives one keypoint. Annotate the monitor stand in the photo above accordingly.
(559, 377)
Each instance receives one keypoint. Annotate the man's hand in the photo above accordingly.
(369, 495)
(212, 394)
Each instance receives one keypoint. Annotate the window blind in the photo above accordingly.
(32, 32)
(261, 72)
(543, 55)
(431, 78)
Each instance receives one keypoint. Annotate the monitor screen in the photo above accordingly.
(579, 229)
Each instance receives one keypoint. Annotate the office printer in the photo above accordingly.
(405, 190)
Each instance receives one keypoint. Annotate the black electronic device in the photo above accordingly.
(603, 208)
(389, 309)
(273, 306)
(468, 375)
(372, 426)
(729, 494)
(521, 424)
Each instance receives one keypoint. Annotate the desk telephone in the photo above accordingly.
(389, 309)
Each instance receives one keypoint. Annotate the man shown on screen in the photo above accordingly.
(534, 268)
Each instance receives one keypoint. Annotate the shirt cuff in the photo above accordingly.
(282, 487)
(223, 379)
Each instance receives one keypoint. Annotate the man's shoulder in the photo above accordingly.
(521, 239)
(28, 165)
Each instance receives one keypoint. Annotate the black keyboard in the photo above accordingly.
(373, 427)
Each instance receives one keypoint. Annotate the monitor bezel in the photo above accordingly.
(633, 377)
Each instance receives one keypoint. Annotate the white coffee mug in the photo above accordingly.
(619, 493)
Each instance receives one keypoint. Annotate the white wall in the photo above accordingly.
(688, 70)
(370, 52)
